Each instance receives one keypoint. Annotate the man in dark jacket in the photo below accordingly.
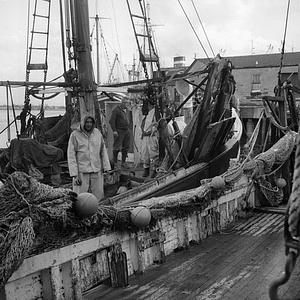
(120, 126)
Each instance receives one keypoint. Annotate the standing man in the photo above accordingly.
(150, 144)
(120, 126)
(88, 158)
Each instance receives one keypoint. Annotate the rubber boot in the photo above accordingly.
(146, 172)
(115, 156)
(124, 165)
(124, 156)
(153, 173)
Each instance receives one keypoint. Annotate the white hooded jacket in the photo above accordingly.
(87, 151)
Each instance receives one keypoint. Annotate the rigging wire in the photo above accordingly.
(117, 37)
(104, 47)
(8, 126)
(193, 29)
(116, 29)
(283, 44)
(203, 27)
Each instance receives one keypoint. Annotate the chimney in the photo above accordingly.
(179, 61)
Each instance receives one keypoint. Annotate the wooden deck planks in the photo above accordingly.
(229, 265)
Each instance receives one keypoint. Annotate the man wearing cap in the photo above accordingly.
(120, 126)
(88, 158)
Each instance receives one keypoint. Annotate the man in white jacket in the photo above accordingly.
(150, 144)
(88, 158)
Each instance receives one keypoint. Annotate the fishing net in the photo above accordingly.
(14, 247)
(273, 195)
(277, 154)
(265, 162)
(35, 218)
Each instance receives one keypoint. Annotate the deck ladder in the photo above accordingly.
(37, 56)
(147, 52)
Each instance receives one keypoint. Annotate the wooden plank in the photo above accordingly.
(94, 269)
(62, 255)
(56, 283)
(29, 287)
(46, 284)
(75, 274)
(37, 67)
(66, 273)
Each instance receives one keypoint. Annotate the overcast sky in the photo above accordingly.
(234, 27)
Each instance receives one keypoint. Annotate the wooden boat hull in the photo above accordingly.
(181, 179)
(72, 271)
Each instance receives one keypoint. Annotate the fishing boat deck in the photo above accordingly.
(238, 263)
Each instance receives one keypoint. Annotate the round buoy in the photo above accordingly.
(218, 183)
(140, 216)
(280, 182)
(86, 204)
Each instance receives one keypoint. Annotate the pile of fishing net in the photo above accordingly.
(35, 217)
(276, 156)
(264, 167)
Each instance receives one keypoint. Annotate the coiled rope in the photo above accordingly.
(294, 201)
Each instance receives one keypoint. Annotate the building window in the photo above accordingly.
(256, 85)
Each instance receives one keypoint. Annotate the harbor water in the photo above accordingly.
(3, 124)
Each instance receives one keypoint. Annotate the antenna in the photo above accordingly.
(269, 49)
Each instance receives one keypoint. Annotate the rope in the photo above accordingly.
(203, 28)
(177, 156)
(193, 29)
(18, 192)
(273, 172)
(45, 98)
(294, 201)
(116, 29)
(273, 120)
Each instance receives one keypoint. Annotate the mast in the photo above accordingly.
(87, 93)
(97, 48)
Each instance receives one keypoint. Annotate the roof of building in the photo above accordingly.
(257, 60)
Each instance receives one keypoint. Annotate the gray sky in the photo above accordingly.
(233, 26)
